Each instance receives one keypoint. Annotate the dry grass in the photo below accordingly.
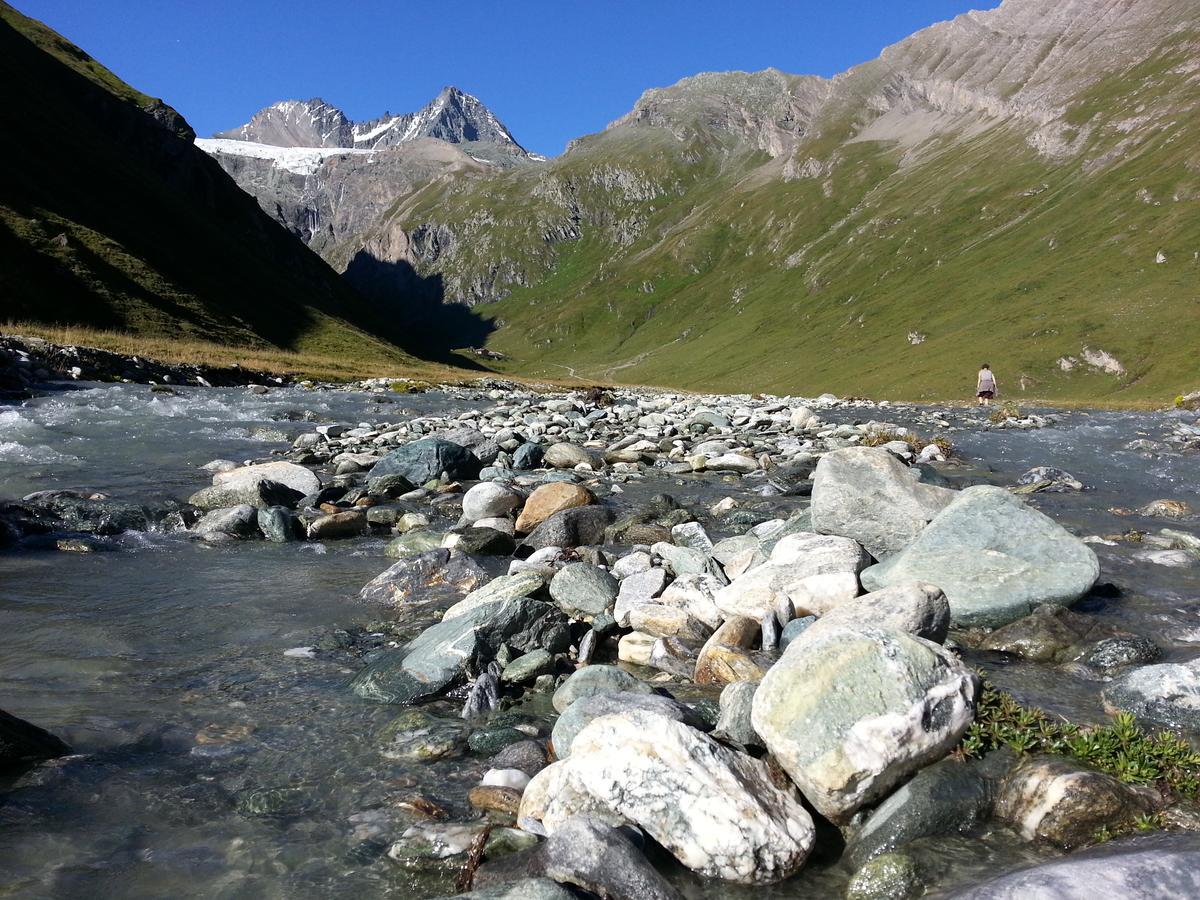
(371, 364)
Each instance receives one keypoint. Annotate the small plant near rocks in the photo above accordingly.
(410, 387)
(1005, 411)
(1122, 748)
(1138, 825)
(914, 441)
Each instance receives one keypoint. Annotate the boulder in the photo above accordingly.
(583, 591)
(488, 500)
(498, 590)
(586, 710)
(995, 558)
(590, 854)
(298, 478)
(814, 572)
(637, 589)
(1166, 694)
(592, 680)
(733, 723)
(850, 712)
(550, 499)
(1141, 868)
(437, 576)
(580, 527)
(1052, 799)
(717, 811)
(948, 797)
(917, 608)
(865, 493)
(351, 523)
(259, 492)
(447, 654)
(726, 656)
(237, 522)
(22, 743)
(279, 524)
(568, 456)
(425, 460)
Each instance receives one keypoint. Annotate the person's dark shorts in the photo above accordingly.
(987, 395)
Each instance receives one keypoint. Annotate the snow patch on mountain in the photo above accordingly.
(299, 160)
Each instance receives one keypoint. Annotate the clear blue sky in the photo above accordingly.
(550, 69)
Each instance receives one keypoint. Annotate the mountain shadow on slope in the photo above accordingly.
(112, 218)
(417, 309)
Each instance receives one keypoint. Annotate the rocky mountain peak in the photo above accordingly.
(296, 123)
(453, 116)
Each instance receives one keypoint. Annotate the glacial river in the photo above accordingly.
(165, 663)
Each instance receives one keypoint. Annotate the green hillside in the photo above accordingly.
(671, 249)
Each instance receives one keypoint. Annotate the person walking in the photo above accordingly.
(985, 386)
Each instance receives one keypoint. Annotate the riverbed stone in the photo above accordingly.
(719, 812)
(528, 666)
(235, 522)
(417, 736)
(995, 558)
(865, 493)
(253, 492)
(590, 854)
(850, 712)
(587, 709)
(726, 656)
(350, 523)
(298, 478)
(583, 591)
(919, 609)
(425, 460)
(528, 456)
(413, 543)
(279, 524)
(733, 724)
(637, 589)
(22, 743)
(498, 590)
(592, 680)
(948, 797)
(434, 577)
(1053, 799)
(565, 455)
(489, 500)
(1166, 694)
(814, 572)
(582, 526)
(447, 654)
(892, 876)
(528, 756)
(549, 499)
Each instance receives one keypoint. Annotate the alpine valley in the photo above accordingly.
(1026, 178)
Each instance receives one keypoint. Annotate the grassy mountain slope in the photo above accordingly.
(111, 218)
(998, 188)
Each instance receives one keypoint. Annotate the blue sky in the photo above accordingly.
(550, 69)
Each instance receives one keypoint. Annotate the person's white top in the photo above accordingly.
(987, 381)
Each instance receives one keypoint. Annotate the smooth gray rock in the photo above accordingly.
(447, 654)
(919, 609)
(733, 724)
(582, 526)
(252, 492)
(488, 500)
(237, 522)
(279, 524)
(582, 590)
(583, 711)
(867, 494)
(592, 680)
(425, 460)
(995, 558)
(946, 798)
(528, 456)
(850, 712)
(1141, 868)
(1166, 694)
(521, 889)
(436, 576)
(592, 855)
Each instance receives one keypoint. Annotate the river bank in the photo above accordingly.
(209, 666)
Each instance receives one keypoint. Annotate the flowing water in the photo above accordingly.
(211, 762)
